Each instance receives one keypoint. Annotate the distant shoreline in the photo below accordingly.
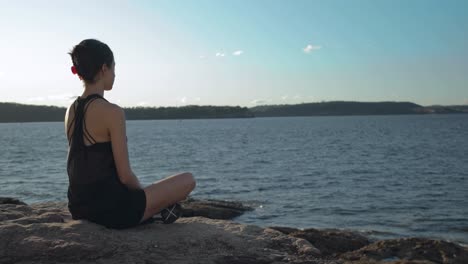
(16, 113)
(256, 117)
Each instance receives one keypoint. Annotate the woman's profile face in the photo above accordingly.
(109, 77)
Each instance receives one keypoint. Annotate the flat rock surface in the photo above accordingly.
(45, 233)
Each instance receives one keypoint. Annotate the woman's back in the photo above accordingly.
(94, 117)
(93, 180)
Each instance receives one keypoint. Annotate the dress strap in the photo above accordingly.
(85, 130)
(80, 131)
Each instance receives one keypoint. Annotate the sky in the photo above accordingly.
(247, 53)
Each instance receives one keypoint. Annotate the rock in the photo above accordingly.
(410, 250)
(241, 259)
(305, 247)
(213, 209)
(328, 241)
(285, 230)
(8, 200)
(45, 233)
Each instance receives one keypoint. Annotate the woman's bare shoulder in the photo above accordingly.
(100, 110)
(108, 112)
(70, 111)
(109, 108)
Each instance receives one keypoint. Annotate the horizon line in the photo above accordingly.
(324, 101)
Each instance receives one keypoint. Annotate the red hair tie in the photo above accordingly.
(73, 69)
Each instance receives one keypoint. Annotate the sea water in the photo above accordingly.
(386, 176)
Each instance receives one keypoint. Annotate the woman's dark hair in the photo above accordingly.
(89, 56)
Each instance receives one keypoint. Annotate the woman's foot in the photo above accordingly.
(167, 216)
(171, 214)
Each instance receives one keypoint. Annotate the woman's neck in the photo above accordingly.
(95, 88)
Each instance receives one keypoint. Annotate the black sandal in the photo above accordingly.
(171, 214)
(168, 215)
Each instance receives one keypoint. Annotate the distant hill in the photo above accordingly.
(13, 112)
(439, 109)
(187, 112)
(338, 108)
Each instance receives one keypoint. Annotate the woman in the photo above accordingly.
(102, 187)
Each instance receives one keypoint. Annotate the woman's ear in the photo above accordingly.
(104, 68)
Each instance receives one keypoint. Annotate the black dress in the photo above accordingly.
(95, 192)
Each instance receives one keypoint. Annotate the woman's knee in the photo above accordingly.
(189, 180)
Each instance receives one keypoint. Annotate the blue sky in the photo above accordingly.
(172, 53)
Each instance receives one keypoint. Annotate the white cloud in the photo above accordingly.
(237, 52)
(284, 97)
(61, 97)
(219, 54)
(201, 57)
(142, 104)
(259, 101)
(36, 99)
(2, 74)
(183, 100)
(187, 100)
(309, 48)
(56, 97)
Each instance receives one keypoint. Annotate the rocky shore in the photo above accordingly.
(45, 233)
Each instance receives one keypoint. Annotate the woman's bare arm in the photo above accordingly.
(117, 131)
